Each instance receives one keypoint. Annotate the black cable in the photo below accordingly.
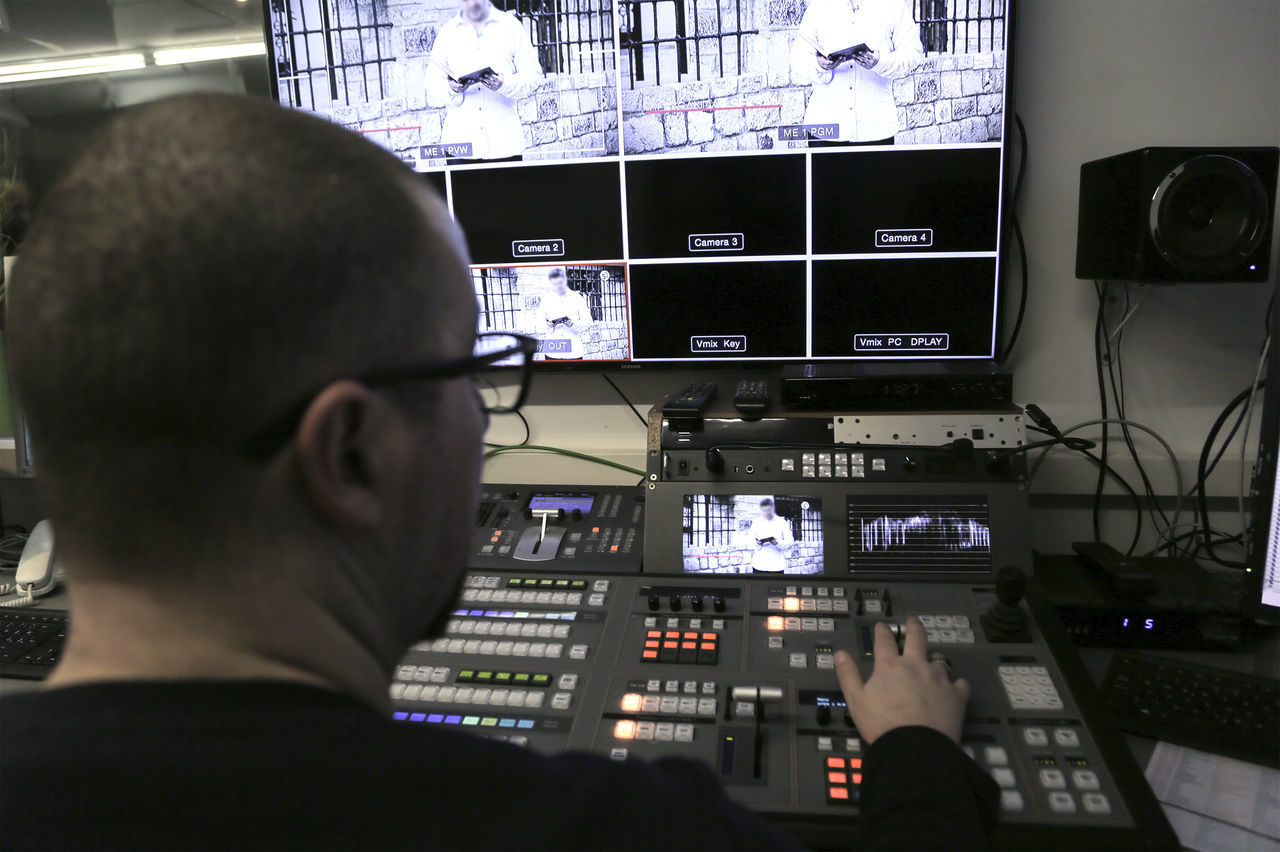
(1017, 234)
(634, 410)
(1099, 329)
(1078, 444)
(1202, 499)
(528, 433)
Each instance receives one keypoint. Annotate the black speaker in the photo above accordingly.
(1177, 214)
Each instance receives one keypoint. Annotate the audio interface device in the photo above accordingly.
(698, 615)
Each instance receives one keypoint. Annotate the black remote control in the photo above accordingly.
(752, 396)
(691, 401)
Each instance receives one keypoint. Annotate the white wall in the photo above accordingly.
(1094, 77)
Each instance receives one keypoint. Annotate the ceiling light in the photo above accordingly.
(26, 71)
(184, 55)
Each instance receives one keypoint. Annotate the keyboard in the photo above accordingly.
(1226, 713)
(31, 641)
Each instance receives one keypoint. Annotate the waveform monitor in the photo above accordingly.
(651, 184)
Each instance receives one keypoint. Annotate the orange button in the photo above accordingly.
(651, 643)
(855, 763)
(836, 777)
(625, 729)
(691, 635)
(495, 538)
(672, 634)
(857, 777)
(614, 549)
(595, 529)
(775, 622)
(654, 634)
(706, 646)
(631, 702)
(791, 604)
(690, 646)
(710, 637)
(650, 655)
(835, 762)
(838, 792)
(670, 644)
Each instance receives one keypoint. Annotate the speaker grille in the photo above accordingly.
(1209, 214)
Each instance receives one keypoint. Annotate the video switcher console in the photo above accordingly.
(700, 618)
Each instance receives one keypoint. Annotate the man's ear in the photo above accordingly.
(341, 450)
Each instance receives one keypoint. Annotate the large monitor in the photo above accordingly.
(1262, 565)
(692, 182)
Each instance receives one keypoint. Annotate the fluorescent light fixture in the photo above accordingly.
(185, 55)
(53, 69)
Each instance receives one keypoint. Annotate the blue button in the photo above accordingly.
(435, 718)
(418, 717)
(525, 723)
(452, 720)
(399, 717)
(507, 723)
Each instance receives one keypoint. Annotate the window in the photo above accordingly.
(668, 39)
(331, 53)
(497, 299)
(605, 289)
(708, 520)
(571, 36)
(960, 26)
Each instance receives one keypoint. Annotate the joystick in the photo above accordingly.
(715, 460)
(1005, 620)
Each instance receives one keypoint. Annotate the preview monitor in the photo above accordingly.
(691, 182)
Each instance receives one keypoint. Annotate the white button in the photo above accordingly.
(944, 621)
(1035, 737)
(690, 686)
(446, 693)
(824, 743)
(650, 704)
(664, 732)
(775, 643)
(798, 661)
(996, 756)
(688, 706)
(654, 685)
(1010, 800)
(669, 704)
(497, 698)
(412, 692)
(1085, 779)
(1096, 803)
(644, 730)
(463, 695)
(706, 707)
(562, 701)
(1003, 776)
(481, 695)
(568, 681)
(534, 698)
(1062, 803)
(684, 733)
(618, 754)
(1066, 737)
(825, 661)
(1052, 779)
(961, 621)
(708, 687)
(927, 621)
(672, 686)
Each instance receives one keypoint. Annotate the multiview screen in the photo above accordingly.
(663, 181)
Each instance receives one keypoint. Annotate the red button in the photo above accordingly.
(691, 635)
(838, 792)
(857, 777)
(690, 646)
(651, 643)
(706, 646)
(670, 644)
(710, 637)
(654, 634)
(672, 634)
(835, 762)
(836, 777)
(650, 655)
(855, 763)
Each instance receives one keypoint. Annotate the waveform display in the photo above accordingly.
(919, 535)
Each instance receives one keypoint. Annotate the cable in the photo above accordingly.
(630, 405)
(561, 451)
(1017, 234)
(528, 432)
(1244, 444)
(1099, 329)
(1202, 500)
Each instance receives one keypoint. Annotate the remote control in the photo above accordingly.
(691, 401)
(752, 396)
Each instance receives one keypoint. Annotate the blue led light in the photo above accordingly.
(417, 717)
(525, 723)
(506, 723)
(435, 718)
(452, 720)
(399, 717)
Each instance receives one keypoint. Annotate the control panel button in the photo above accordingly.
(995, 756)
(1085, 779)
(1010, 801)
(1003, 776)
(1062, 803)
(1096, 803)
(1052, 779)
(1035, 737)
(1066, 737)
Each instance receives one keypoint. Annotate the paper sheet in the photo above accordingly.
(1215, 803)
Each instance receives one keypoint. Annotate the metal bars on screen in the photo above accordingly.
(658, 37)
(571, 36)
(330, 53)
(960, 26)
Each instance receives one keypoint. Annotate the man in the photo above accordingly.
(241, 336)
(855, 93)
(483, 112)
(772, 539)
(563, 315)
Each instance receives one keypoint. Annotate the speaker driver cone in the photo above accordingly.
(1208, 214)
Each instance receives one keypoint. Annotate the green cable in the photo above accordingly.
(561, 451)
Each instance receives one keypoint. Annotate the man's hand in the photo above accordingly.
(823, 62)
(567, 323)
(903, 689)
(867, 59)
(457, 87)
(492, 82)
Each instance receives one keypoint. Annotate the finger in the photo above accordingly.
(849, 675)
(886, 645)
(916, 645)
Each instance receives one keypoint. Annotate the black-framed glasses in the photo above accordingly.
(492, 350)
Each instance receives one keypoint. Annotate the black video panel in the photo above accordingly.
(437, 181)
(540, 214)
(897, 201)
(909, 307)
(718, 310)
(716, 206)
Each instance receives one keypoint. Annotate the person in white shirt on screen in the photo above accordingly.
(564, 315)
(484, 113)
(857, 94)
(771, 536)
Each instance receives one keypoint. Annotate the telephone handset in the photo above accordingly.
(38, 568)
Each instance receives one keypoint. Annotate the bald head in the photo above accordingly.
(205, 261)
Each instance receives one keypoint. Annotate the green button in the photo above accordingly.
(514, 581)
(542, 680)
(546, 582)
(502, 677)
(489, 722)
(466, 676)
(579, 584)
(521, 677)
(471, 720)
(562, 583)
(484, 677)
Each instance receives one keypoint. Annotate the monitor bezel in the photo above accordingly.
(1264, 489)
